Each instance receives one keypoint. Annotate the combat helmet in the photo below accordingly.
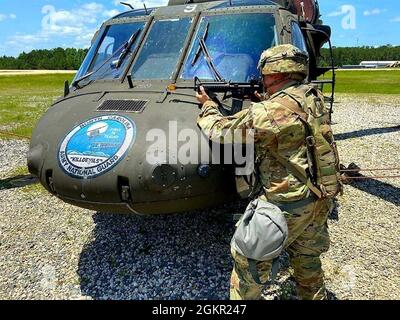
(284, 58)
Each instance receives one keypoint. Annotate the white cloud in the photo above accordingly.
(76, 26)
(335, 14)
(4, 17)
(396, 19)
(26, 39)
(92, 7)
(138, 4)
(72, 22)
(110, 13)
(25, 42)
(374, 12)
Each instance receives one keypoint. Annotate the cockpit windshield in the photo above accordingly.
(234, 42)
(224, 46)
(109, 54)
(162, 48)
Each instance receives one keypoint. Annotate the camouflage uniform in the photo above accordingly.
(278, 128)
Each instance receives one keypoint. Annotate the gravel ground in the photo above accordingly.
(12, 155)
(51, 250)
(363, 262)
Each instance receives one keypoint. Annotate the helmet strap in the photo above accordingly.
(288, 77)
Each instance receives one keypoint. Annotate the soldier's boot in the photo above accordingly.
(243, 286)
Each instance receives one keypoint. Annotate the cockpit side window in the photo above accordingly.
(111, 51)
(234, 42)
(297, 37)
(89, 56)
(105, 51)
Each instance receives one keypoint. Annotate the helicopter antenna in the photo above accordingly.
(145, 8)
(302, 10)
(127, 4)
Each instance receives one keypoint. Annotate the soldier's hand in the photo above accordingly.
(259, 96)
(202, 97)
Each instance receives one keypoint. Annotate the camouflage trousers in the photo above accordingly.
(308, 239)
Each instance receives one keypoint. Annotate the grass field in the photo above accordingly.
(24, 98)
(367, 82)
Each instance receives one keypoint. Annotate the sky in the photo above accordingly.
(45, 24)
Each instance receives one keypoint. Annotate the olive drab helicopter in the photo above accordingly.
(141, 72)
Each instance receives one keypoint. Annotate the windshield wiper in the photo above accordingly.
(87, 75)
(209, 60)
(76, 82)
(204, 37)
(127, 48)
(127, 45)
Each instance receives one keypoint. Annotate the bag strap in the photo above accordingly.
(293, 105)
(296, 172)
(272, 276)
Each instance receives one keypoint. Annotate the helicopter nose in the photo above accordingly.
(35, 159)
(163, 176)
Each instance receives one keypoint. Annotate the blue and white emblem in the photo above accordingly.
(96, 146)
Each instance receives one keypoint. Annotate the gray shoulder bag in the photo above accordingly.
(261, 235)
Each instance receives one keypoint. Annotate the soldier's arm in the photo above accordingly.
(231, 129)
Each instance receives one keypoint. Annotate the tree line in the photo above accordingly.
(71, 59)
(53, 59)
(354, 55)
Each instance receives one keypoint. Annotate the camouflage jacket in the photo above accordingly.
(274, 127)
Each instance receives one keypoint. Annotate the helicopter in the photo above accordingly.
(90, 148)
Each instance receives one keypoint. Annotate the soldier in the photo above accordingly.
(279, 131)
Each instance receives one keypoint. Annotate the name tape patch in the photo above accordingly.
(96, 146)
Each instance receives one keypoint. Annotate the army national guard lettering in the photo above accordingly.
(297, 181)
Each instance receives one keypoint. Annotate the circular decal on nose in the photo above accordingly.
(96, 146)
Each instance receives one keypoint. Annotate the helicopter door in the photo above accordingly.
(317, 36)
(298, 38)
